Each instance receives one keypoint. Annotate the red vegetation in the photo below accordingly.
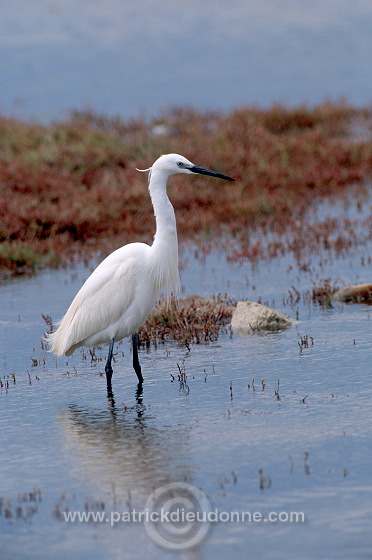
(73, 185)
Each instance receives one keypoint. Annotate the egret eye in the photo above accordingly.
(180, 164)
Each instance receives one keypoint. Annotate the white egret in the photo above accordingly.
(121, 292)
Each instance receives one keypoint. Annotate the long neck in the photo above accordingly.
(165, 245)
(163, 209)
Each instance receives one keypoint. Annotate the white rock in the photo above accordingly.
(359, 293)
(250, 316)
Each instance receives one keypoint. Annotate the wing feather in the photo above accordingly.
(102, 300)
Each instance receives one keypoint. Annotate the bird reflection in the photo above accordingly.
(111, 398)
(125, 448)
(112, 404)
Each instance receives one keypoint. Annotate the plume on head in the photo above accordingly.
(145, 171)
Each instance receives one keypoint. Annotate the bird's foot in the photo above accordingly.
(108, 372)
(136, 364)
(137, 369)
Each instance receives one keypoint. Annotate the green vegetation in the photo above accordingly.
(19, 258)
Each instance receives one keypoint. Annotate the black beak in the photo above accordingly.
(202, 171)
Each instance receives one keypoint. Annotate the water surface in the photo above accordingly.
(244, 404)
(126, 59)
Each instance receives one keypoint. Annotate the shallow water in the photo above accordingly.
(241, 404)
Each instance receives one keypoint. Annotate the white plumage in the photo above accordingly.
(109, 305)
(121, 292)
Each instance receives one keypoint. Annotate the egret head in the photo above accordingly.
(170, 164)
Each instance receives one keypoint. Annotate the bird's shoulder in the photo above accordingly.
(123, 265)
(126, 258)
(125, 261)
(132, 250)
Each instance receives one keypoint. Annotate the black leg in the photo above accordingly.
(136, 364)
(108, 366)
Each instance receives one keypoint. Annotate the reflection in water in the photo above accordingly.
(124, 451)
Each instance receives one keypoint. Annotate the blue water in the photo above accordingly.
(127, 59)
(244, 403)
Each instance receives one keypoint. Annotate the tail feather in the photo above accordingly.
(56, 341)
